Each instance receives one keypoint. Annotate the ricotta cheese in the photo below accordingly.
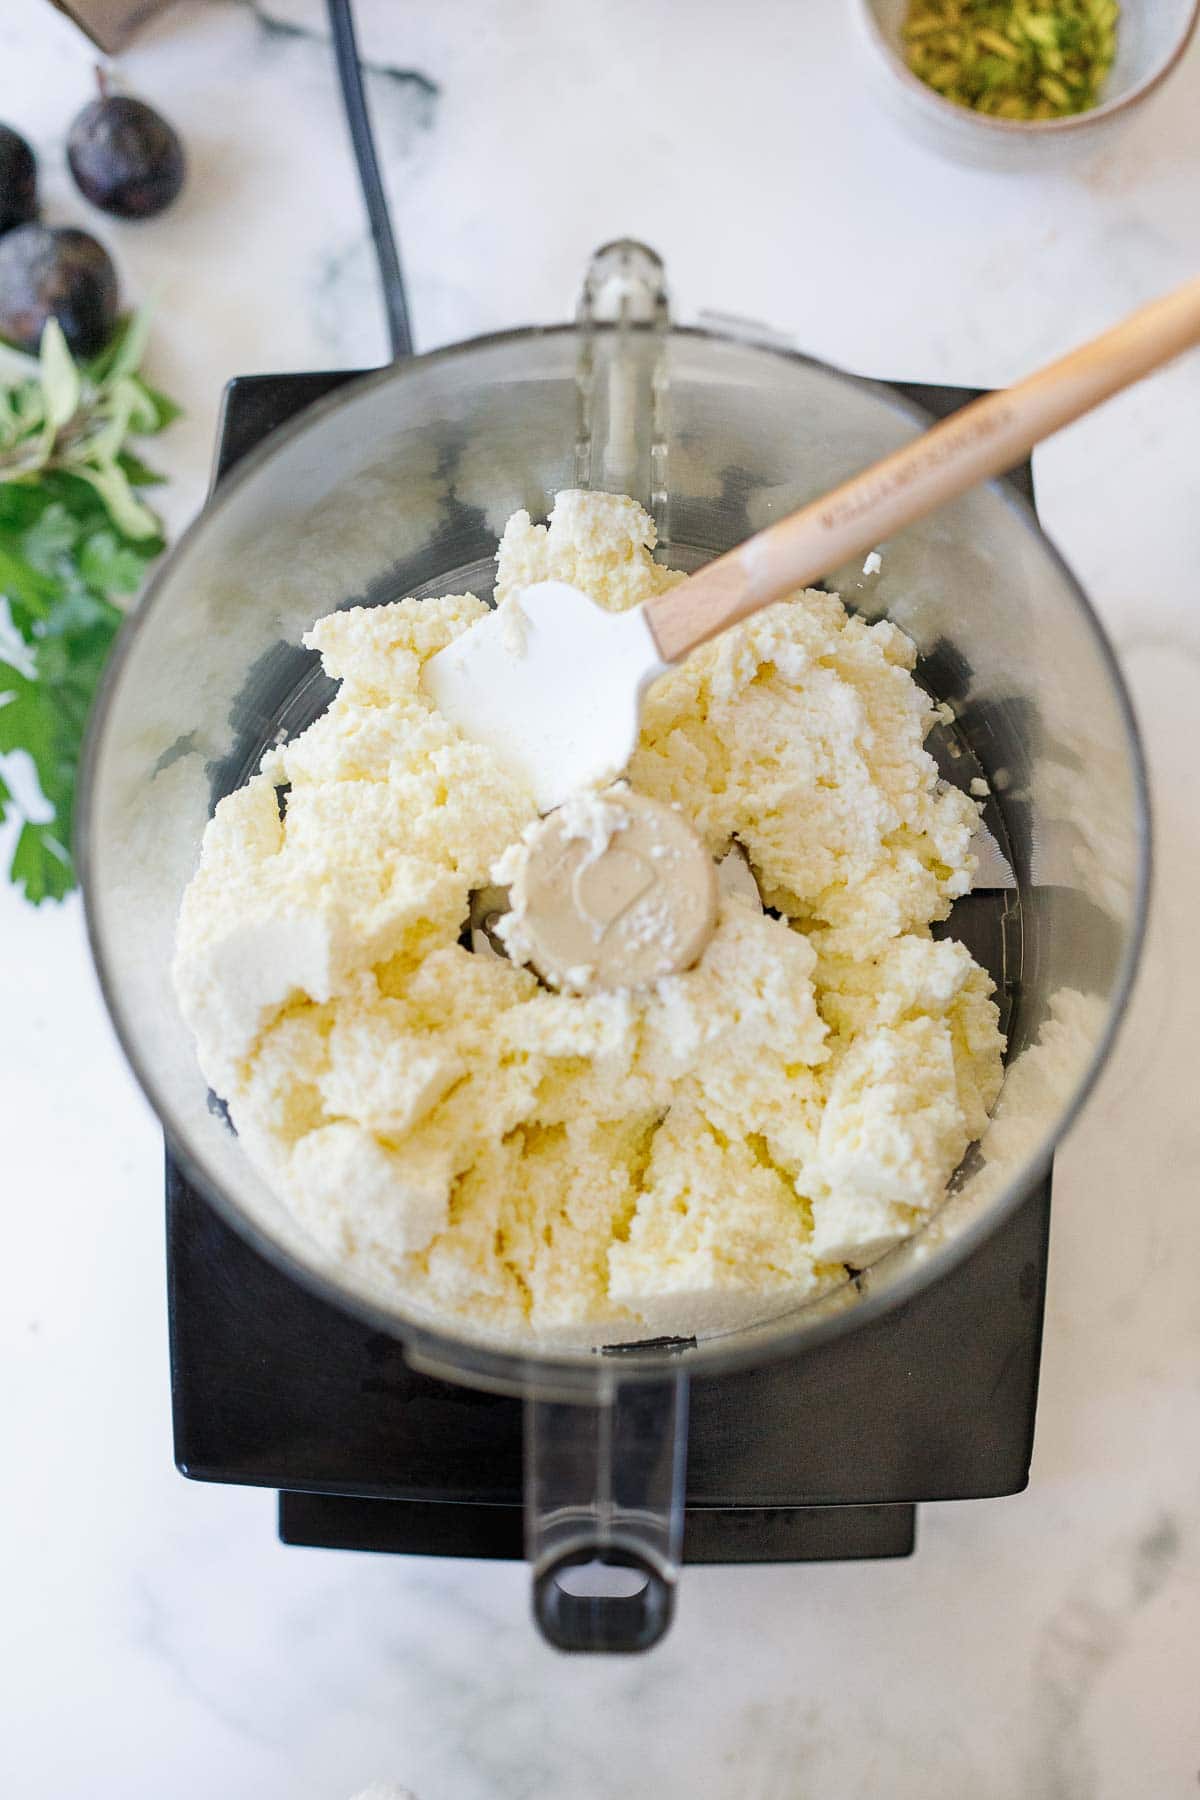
(674, 1158)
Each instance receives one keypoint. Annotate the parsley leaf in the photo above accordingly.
(41, 864)
(136, 472)
(166, 411)
(74, 537)
(110, 565)
(50, 537)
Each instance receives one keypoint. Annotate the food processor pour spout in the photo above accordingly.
(604, 1487)
(621, 377)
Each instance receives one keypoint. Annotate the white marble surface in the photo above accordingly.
(155, 1639)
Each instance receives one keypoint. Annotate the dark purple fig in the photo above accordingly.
(125, 158)
(18, 180)
(56, 273)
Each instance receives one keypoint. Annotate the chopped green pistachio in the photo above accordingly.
(1055, 91)
(992, 40)
(1041, 28)
(1002, 58)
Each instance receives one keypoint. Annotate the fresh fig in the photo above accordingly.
(125, 157)
(18, 180)
(56, 273)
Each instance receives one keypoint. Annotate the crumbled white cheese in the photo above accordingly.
(593, 818)
(514, 626)
(577, 1167)
(980, 788)
(873, 563)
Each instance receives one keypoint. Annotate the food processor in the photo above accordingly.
(914, 1379)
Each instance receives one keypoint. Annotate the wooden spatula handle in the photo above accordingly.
(987, 437)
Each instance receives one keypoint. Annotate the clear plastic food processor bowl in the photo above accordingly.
(399, 484)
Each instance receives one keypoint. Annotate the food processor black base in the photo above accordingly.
(813, 1460)
(822, 1458)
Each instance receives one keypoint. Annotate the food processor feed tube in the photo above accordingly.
(400, 484)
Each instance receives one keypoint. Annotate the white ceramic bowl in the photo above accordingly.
(1151, 38)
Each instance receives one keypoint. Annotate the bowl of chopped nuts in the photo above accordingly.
(1011, 83)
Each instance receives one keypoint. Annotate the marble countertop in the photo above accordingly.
(157, 1640)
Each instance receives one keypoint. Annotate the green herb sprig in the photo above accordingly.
(1013, 59)
(76, 538)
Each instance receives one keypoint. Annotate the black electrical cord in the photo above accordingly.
(391, 276)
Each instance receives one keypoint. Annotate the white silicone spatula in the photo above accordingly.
(554, 685)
